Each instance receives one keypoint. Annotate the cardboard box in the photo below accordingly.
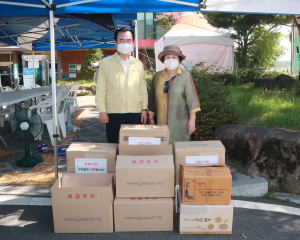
(205, 185)
(144, 176)
(87, 150)
(143, 214)
(205, 219)
(144, 150)
(144, 131)
(83, 203)
(206, 153)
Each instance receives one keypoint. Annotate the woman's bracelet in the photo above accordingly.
(151, 118)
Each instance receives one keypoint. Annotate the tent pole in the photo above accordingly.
(33, 66)
(53, 84)
(136, 40)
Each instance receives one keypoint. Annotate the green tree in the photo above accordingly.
(86, 72)
(257, 36)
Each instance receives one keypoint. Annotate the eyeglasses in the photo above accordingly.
(166, 89)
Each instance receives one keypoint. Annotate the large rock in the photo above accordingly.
(280, 81)
(263, 152)
(266, 83)
(284, 81)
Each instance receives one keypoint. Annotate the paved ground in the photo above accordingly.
(22, 221)
(33, 222)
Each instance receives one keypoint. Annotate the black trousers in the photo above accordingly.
(114, 124)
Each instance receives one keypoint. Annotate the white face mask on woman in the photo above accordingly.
(125, 48)
(171, 64)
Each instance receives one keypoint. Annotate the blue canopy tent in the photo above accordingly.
(44, 8)
(72, 31)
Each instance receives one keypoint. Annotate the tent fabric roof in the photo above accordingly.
(193, 28)
(72, 31)
(284, 7)
(86, 28)
(101, 6)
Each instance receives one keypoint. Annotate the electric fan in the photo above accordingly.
(25, 125)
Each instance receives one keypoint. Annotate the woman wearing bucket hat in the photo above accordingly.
(173, 97)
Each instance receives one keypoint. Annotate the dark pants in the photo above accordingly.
(114, 124)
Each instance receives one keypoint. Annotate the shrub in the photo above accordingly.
(247, 75)
(217, 105)
(226, 78)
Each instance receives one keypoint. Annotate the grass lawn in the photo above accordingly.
(261, 107)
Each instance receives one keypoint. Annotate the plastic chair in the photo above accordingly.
(39, 98)
(47, 116)
(3, 114)
(11, 108)
(61, 112)
(35, 86)
(73, 94)
(21, 87)
(61, 101)
(7, 89)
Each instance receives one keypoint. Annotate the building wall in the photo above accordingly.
(72, 57)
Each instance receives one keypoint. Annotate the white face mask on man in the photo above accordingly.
(125, 48)
(171, 64)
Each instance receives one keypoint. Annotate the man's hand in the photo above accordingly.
(103, 117)
(191, 123)
(144, 117)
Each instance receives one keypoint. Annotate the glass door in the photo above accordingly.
(6, 69)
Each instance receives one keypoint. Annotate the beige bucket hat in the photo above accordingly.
(170, 50)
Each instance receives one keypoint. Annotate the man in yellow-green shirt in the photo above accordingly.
(121, 95)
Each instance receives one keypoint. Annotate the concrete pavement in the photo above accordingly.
(33, 222)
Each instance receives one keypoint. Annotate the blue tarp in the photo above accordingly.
(92, 30)
(71, 31)
(103, 6)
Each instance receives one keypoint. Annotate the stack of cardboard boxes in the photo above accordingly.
(144, 175)
(144, 180)
(204, 196)
(83, 203)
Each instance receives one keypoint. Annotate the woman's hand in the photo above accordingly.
(151, 119)
(192, 123)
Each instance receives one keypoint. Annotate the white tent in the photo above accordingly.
(199, 41)
(284, 7)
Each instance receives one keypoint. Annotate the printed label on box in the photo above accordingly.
(189, 190)
(90, 165)
(202, 159)
(143, 141)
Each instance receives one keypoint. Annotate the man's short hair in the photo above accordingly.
(124, 29)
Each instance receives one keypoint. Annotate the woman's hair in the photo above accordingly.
(180, 58)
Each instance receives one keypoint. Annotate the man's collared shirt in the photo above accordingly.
(118, 92)
(125, 64)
